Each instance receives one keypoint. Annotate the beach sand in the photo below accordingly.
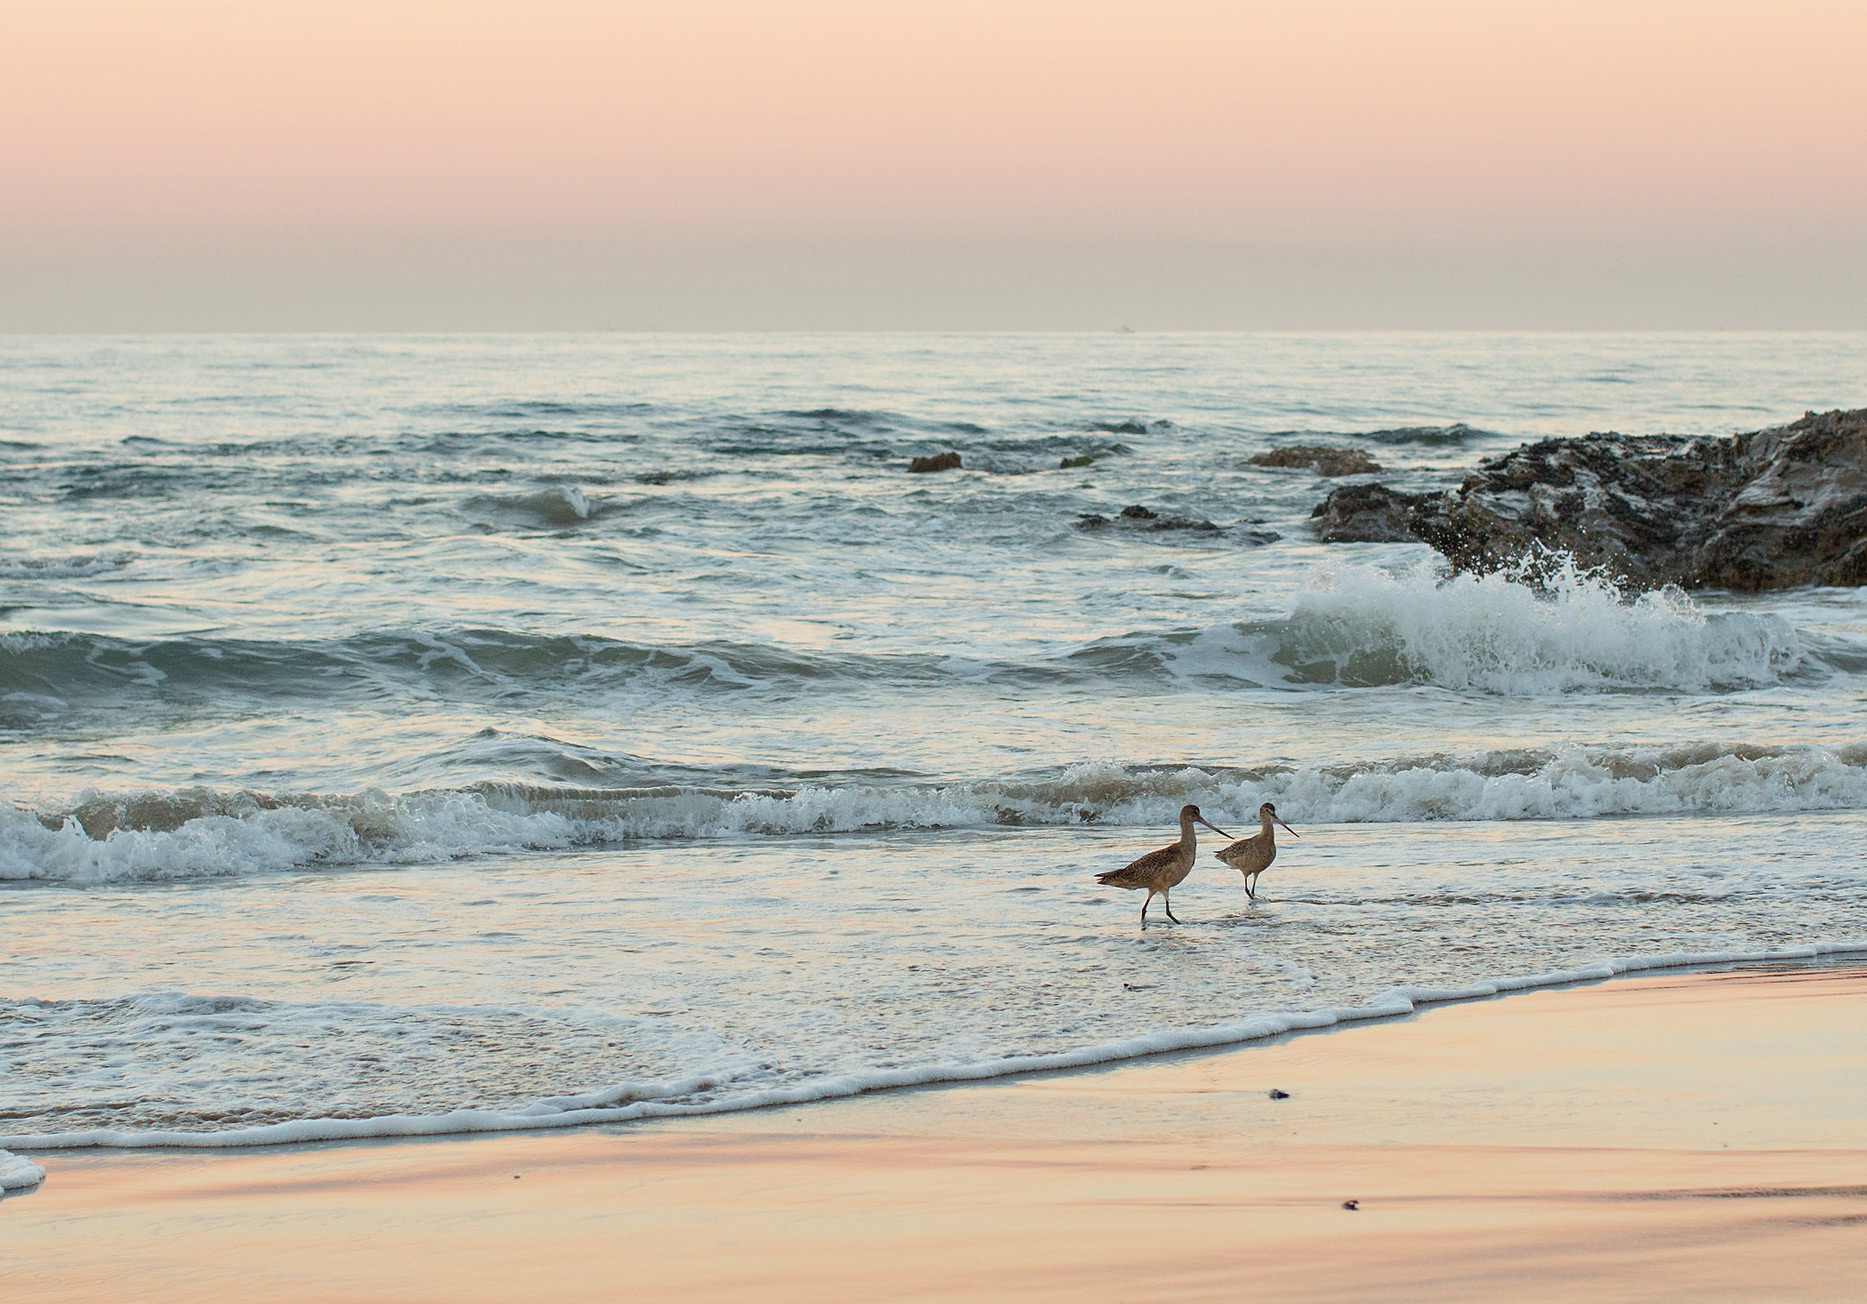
(1689, 1135)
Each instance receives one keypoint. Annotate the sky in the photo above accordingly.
(1020, 164)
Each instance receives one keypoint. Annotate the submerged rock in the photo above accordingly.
(1366, 513)
(1071, 463)
(1139, 518)
(1327, 460)
(1770, 509)
(938, 462)
(1137, 515)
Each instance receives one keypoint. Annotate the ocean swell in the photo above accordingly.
(1356, 627)
(48, 671)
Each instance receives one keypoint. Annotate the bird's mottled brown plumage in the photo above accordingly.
(1163, 870)
(1253, 855)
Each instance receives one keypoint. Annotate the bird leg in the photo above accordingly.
(1144, 905)
(1168, 902)
(1250, 891)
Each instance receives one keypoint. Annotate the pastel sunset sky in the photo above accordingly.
(700, 164)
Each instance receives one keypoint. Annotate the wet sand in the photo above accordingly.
(1693, 1135)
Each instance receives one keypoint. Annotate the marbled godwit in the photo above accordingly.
(1161, 871)
(1253, 855)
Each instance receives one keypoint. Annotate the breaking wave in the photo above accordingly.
(207, 833)
(1572, 631)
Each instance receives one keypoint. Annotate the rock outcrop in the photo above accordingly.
(1771, 509)
(1366, 513)
(1327, 459)
(938, 462)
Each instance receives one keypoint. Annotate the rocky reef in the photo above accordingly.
(1770, 509)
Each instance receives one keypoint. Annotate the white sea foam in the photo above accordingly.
(204, 834)
(631, 1101)
(1573, 631)
(18, 1173)
(1576, 783)
(246, 838)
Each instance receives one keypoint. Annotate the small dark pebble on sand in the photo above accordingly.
(1351, 1205)
(1279, 1094)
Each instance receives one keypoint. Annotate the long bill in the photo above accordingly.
(1287, 829)
(1215, 828)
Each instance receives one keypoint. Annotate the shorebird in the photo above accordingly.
(1161, 871)
(1253, 855)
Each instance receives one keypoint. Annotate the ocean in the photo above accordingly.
(411, 734)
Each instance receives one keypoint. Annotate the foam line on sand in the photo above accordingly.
(661, 1100)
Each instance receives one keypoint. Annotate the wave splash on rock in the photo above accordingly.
(1771, 509)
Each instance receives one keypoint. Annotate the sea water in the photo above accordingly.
(413, 734)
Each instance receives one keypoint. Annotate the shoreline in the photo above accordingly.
(1686, 1133)
(596, 1108)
